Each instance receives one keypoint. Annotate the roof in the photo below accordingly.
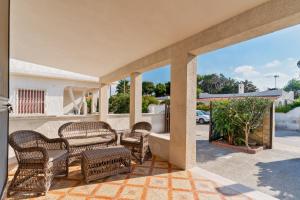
(266, 94)
(19, 67)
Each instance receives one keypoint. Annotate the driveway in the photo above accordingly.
(275, 172)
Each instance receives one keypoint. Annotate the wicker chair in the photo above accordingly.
(83, 136)
(137, 140)
(39, 160)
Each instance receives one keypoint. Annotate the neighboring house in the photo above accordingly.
(41, 90)
(279, 96)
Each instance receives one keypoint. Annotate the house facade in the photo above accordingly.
(40, 90)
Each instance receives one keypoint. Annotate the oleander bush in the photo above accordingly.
(236, 119)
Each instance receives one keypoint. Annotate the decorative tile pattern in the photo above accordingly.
(154, 180)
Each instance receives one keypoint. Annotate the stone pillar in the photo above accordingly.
(94, 101)
(182, 150)
(103, 101)
(135, 98)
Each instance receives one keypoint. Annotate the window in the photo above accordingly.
(31, 101)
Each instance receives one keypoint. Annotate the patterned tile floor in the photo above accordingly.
(155, 179)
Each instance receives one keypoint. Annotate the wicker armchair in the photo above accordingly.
(83, 136)
(39, 160)
(137, 140)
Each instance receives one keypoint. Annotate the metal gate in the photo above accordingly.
(167, 118)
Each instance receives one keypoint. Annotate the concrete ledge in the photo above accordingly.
(159, 145)
(238, 148)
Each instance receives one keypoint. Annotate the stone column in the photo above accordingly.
(135, 98)
(94, 101)
(103, 101)
(182, 150)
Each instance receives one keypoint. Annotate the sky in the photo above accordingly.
(257, 60)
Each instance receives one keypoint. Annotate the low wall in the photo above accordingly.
(48, 125)
(121, 121)
(159, 145)
(289, 121)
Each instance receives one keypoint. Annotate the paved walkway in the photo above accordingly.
(275, 172)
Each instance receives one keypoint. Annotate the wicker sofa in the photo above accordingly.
(83, 136)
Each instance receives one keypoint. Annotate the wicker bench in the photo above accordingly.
(100, 163)
(83, 136)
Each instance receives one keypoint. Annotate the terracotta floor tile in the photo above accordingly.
(160, 172)
(157, 194)
(149, 181)
(205, 186)
(142, 171)
(160, 164)
(107, 190)
(73, 197)
(182, 195)
(117, 179)
(158, 182)
(63, 185)
(137, 180)
(181, 184)
(146, 164)
(131, 192)
(50, 196)
(83, 189)
(180, 174)
(207, 196)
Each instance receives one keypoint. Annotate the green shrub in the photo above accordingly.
(248, 114)
(202, 106)
(288, 107)
(223, 120)
(235, 119)
(167, 101)
(119, 103)
(147, 100)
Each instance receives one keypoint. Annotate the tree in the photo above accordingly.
(148, 88)
(249, 86)
(211, 83)
(248, 114)
(219, 84)
(230, 86)
(160, 90)
(119, 103)
(168, 88)
(147, 100)
(293, 85)
(123, 87)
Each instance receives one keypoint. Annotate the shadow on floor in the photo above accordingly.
(233, 190)
(287, 133)
(208, 152)
(285, 187)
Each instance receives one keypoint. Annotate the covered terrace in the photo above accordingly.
(118, 39)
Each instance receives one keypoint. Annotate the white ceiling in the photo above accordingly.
(96, 37)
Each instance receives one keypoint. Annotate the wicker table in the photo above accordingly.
(100, 163)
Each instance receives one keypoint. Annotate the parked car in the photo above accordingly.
(202, 116)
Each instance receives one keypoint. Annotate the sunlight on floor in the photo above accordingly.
(155, 179)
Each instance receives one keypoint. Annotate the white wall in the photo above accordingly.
(286, 98)
(54, 90)
(289, 121)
